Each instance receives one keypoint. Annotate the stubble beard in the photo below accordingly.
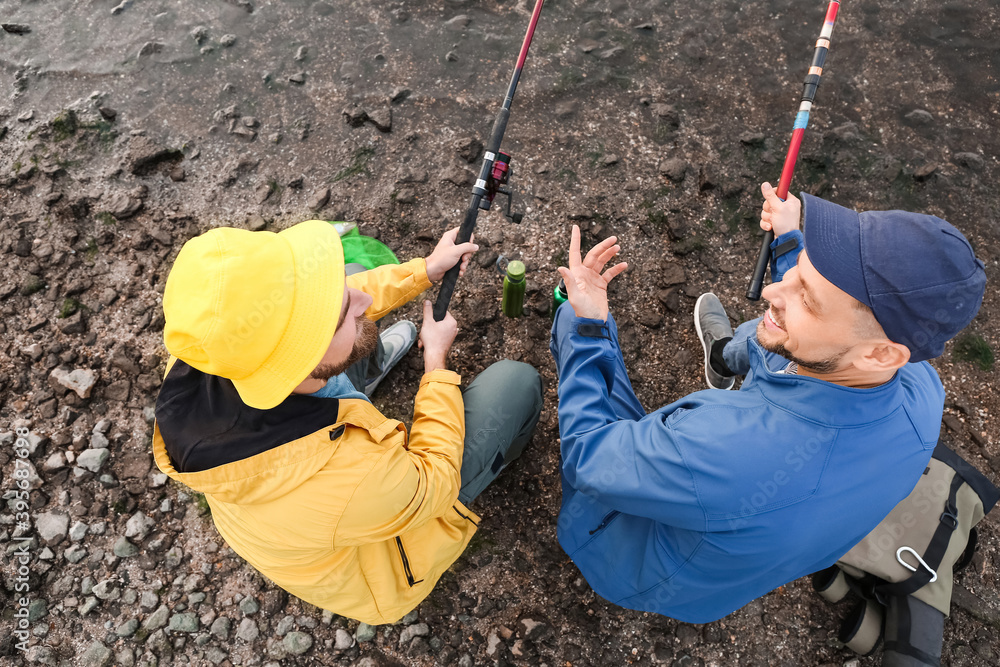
(821, 366)
(364, 344)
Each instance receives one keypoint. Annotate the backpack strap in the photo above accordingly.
(927, 568)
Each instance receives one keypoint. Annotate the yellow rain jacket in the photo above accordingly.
(327, 497)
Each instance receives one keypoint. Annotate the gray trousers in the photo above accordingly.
(502, 406)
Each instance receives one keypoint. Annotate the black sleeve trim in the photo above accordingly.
(594, 330)
(786, 247)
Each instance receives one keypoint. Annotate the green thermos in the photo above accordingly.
(512, 303)
(559, 296)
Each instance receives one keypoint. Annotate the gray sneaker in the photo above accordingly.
(712, 324)
(396, 341)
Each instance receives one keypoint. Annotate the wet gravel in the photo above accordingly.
(127, 128)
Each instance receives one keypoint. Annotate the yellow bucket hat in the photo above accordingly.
(258, 308)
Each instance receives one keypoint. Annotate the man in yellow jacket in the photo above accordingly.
(306, 480)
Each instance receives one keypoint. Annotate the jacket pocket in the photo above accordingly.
(608, 518)
(406, 564)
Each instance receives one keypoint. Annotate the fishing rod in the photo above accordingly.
(493, 175)
(799, 129)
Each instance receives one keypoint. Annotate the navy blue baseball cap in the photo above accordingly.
(917, 273)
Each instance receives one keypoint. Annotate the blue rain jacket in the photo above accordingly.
(696, 509)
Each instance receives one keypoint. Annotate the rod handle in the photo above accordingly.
(451, 275)
(757, 281)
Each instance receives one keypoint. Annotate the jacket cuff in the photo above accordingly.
(441, 375)
(420, 273)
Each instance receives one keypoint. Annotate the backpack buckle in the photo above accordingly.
(920, 560)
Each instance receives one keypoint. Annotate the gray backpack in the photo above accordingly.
(902, 571)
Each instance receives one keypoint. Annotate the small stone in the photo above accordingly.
(199, 34)
(298, 78)
(365, 632)
(157, 619)
(106, 590)
(148, 600)
(249, 606)
(301, 54)
(319, 199)
(139, 526)
(184, 623)
(78, 531)
(344, 640)
(96, 655)
(415, 630)
(973, 161)
(381, 119)
(99, 441)
(107, 113)
(925, 171)
(674, 169)
(177, 174)
(81, 380)
(52, 527)
(92, 459)
(919, 117)
(75, 553)
(128, 628)
(16, 28)
(221, 627)
(298, 643)
(227, 40)
(285, 625)
(88, 606)
(247, 631)
(124, 549)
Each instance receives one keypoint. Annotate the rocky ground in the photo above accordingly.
(126, 129)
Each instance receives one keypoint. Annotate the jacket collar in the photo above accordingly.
(820, 401)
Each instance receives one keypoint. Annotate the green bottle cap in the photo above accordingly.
(515, 271)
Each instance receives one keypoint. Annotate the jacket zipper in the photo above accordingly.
(464, 516)
(406, 563)
(606, 520)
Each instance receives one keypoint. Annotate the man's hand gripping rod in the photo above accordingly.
(801, 122)
(494, 170)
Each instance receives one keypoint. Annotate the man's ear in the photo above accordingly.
(882, 355)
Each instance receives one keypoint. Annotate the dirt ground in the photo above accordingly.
(126, 129)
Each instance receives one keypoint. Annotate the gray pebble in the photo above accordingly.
(228, 40)
(75, 553)
(93, 459)
(88, 605)
(96, 655)
(248, 630)
(344, 640)
(184, 623)
(128, 628)
(249, 606)
(285, 625)
(411, 631)
(298, 643)
(365, 632)
(139, 526)
(124, 549)
(221, 627)
(157, 619)
(148, 600)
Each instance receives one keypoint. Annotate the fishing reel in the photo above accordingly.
(498, 177)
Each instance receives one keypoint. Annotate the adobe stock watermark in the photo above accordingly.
(20, 501)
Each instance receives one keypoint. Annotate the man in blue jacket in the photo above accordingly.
(699, 507)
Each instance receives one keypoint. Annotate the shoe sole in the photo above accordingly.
(706, 351)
